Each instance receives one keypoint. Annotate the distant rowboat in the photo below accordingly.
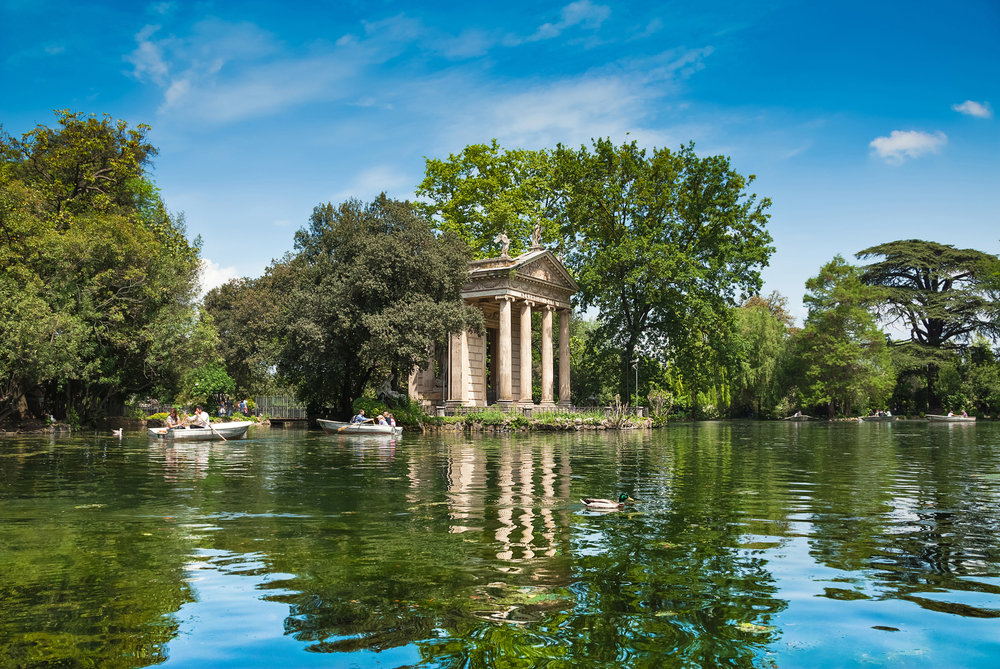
(228, 430)
(801, 417)
(337, 427)
(879, 419)
(949, 419)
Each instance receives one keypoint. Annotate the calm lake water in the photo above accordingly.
(748, 545)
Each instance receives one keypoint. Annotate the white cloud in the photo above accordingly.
(226, 71)
(610, 101)
(147, 58)
(582, 13)
(161, 8)
(381, 178)
(977, 109)
(213, 276)
(653, 27)
(903, 144)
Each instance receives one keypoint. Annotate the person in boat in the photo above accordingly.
(888, 413)
(392, 420)
(382, 420)
(798, 413)
(360, 418)
(950, 414)
(174, 420)
(199, 419)
(964, 415)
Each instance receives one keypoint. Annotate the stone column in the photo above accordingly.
(564, 392)
(547, 357)
(505, 395)
(458, 382)
(525, 399)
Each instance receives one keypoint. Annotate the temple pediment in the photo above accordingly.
(535, 276)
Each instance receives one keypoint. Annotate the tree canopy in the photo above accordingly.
(98, 279)
(485, 190)
(941, 294)
(843, 355)
(375, 286)
(657, 239)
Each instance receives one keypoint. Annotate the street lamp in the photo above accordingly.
(635, 366)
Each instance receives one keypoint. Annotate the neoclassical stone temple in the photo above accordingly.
(481, 371)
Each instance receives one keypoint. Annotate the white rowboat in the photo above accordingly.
(227, 430)
(950, 419)
(336, 427)
(879, 419)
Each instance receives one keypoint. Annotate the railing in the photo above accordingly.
(280, 406)
(536, 411)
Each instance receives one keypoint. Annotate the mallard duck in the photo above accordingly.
(597, 503)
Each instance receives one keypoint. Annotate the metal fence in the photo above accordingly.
(536, 411)
(280, 406)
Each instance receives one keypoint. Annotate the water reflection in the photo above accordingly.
(795, 543)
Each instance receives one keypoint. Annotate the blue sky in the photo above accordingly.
(864, 122)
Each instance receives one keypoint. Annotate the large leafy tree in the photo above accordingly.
(845, 363)
(943, 296)
(104, 277)
(248, 315)
(485, 190)
(658, 241)
(764, 337)
(375, 286)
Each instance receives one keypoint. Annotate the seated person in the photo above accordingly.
(964, 415)
(360, 418)
(199, 419)
(173, 420)
(382, 420)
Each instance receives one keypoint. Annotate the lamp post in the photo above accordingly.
(635, 366)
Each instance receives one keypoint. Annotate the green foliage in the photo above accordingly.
(100, 278)
(408, 413)
(87, 165)
(203, 385)
(660, 403)
(944, 296)
(485, 190)
(248, 316)
(374, 286)
(763, 337)
(844, 361)
(660, 242)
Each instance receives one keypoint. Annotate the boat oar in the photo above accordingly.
(369, 420)
(217, 432)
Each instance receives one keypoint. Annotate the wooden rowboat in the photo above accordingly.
(950, 419)
(337, 427)
(227, 430)
(799, 418)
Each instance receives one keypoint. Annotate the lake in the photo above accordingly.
(748, 545)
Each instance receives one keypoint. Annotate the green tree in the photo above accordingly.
(660, 242)
(205, 386)
(248, 315)
(486, 190)
(942, 295)
(764, 337)
(844, 359)
(375, 286)
(106, 274)
(88, 164)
